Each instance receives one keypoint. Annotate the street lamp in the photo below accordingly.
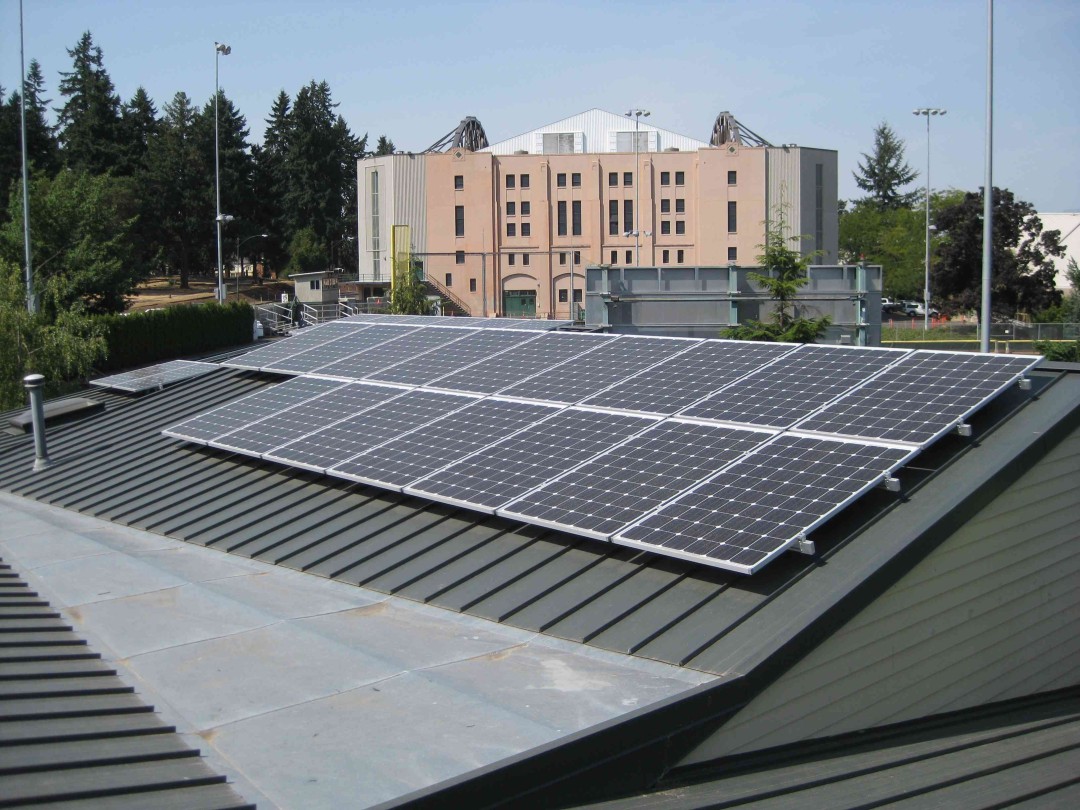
(220, 49)
(636, 114)
(929, 112)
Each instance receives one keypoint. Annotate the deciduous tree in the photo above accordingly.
(1023, 272)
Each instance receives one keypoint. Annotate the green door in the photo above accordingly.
(519, 303)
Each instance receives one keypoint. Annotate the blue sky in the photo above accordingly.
(818, 73)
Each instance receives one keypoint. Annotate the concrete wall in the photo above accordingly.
(991, 614)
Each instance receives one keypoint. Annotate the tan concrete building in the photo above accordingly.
(509, 228)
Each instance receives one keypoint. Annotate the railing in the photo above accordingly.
(313, 314)
(912, 329)
(275, 317)
(446, 293)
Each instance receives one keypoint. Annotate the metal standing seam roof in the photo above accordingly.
(117, 466)
(71, 731)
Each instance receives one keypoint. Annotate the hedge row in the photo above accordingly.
(138, 338)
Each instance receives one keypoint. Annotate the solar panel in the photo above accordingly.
(375, 317)
(433, 446)
(470, 349)
(921, 397)
(273, 431)
(504, 471)
(761, 505)
(522, 362)
(572, 382)
(244, 411)
(685, 378)
(158, 376)
(323, 448)
(294, 344)
(534, 324)
(414, 342)
(789, 389)
(616, 488)
(354, 343)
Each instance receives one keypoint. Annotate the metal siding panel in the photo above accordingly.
(976, 620)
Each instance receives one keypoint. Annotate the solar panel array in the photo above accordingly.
(151, 377)
(723, 452)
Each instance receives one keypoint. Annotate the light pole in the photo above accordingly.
(636, 114)
(220, 49)
(929, 112)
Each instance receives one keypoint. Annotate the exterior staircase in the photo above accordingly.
(452, 304)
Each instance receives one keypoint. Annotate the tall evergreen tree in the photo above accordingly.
(139, 125)
(270, 182)
(42, 152)
(385, 146)
(320, 167)
(178, 172)
(89, 121)
(883, 172)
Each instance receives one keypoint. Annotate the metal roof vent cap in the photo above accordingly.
(521, 151)
(35, 384)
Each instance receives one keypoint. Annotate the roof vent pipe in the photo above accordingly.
(35, 384)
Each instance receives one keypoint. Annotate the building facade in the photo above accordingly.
(509, 229)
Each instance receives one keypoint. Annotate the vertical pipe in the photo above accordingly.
(988, 185)
(31, 298)
(220, 293)
(35, 384)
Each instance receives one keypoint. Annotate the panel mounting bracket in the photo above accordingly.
(891, 483)
(1025, 383)
(805, 546)
(963, 429)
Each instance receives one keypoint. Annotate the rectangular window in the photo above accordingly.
(459, 257)
(680, 226)
(680, 206)
(665, 256)
(376, 267)
(628, 215)
(526, 229)
(665, 206)
(510, 258)
(526, 208)
(472, 285)
(732, 178)
(665, 178)
(628, 178)
(577, 257)
(613, 178)
(665, 226)
(459, 220)
(575, 212)
(577, 296)
(819, 206)
(732, 254)
(575, 179)
(449, 279)
(511, 229)
(459, 182)
(732, 217)
(613, 218)
(614, 257)
(524, 181)
(511, 208)
(558, 143)
(562, 258)
(560, 179)
(525, 259)
(314, 284)
(511, 181)
(680, 178)
(678, 257)
(624, 141)
(562, 217)
(629, 257)
(563, 296)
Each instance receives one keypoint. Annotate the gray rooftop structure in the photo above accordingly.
(592, 672)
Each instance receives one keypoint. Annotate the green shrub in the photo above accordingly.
(139, 338)
(1060, 350)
